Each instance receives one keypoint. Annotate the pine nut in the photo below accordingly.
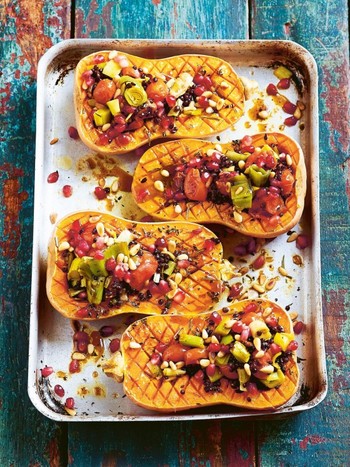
(112, 54)
(94, 219)
(237, 217)
(115, 186)
(259, 354)
(292, 237)
(91, 349)
(221, 354)
(209, 110)
(120, 257)
(106, 126)
(263, 114)
(172, 365)
(204, 362)
(158, 185)
(220, 104)
(214, 340)
(270, 284)
(257, 343)
(164, 364)
(78, 356)
(241, 164)
(247, 369)
(134, 345)
(63, 246)
(239, 190)
(207, 94)
(165, 173)
(181, 257)
(178, 209)
(204, 334)
(179, 365)
(282, 271)
(289, 160)
(178, 278)
(268, 369)
(171, 246)
(134, 249)
(258, 288)
(267, 312)
(293, 315)
(100, 229)
(224, 85)
(229, 323)
(54, 141)
(212, 103)
(132, 264)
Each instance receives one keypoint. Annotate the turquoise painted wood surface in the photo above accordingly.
(318, 437)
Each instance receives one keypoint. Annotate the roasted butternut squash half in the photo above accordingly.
(255, 185)
(100, 265)
(123, 101)
(242, 355)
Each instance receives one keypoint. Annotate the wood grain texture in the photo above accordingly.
(318, 437)
(321, 435)
(29, 29)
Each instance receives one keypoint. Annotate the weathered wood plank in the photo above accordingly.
(29, 29)
(321, 435)
(156, 19)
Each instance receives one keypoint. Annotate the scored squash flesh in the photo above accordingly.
(256, 185)
(124, 101)
(100, 265)
(242, 355)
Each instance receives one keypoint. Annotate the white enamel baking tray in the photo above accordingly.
(97, 397)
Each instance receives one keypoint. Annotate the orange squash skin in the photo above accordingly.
(199, 288)
(230, 95)
(152, 201)
(186, 392)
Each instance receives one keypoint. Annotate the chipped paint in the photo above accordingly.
(30, 35)
(335, 95)
(311, 439)
(12, 205)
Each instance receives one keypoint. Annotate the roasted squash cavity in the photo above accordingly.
(100, 265)
(255, 185)
(123, 101)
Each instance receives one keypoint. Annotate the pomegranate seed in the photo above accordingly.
(198, 90)
(251, 246)
(179, 296)
(210, 370)
(46, 371)
(215, 317)
(114, 345)
(246, 140)
(183, 264)
(103, 140)
(289, 107)
(142, 195)
(69, 403)
(293, 345)
(98, 255)
(74, 366)
(100, 193)
(107, 331)
(235, 290)
(271, 90)
(252, 388)
(237, 327)
(111, 264)
(274, 349)
(161, 243)
(284, 83)
(81, 336)
(82, 313)
(209, 245)
(259, 262)
(291, 121)
(245, 333)
(251, 308)
(224, 348)
(198, 79)
(207, 82)
(199, 376)
(161, 346)
(156, 359)
(203, 102)
(99, 58)
(59, 391)
(271, 321)
(53, 177)
(73, 132)
(67, 191)
(96, 339)
(303, 241)
(82, 346)
(170, 100)
(124, 139)
(214, 347)
(298, 327)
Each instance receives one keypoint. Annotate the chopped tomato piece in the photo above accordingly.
(175, 353)
(192, 356)
(195, 188)
(104, 91)
(287, 182)
(157, 90)
(147, 267)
